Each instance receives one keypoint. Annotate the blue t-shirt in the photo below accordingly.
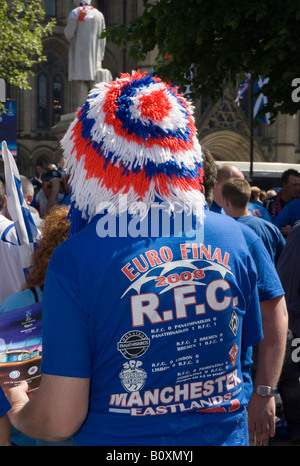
(289, 215)
(4, 403)
(157, 324)
(214, 207)
(269, 234)
(268, 281)
(20, 299)
(269, 287)
(258, 210)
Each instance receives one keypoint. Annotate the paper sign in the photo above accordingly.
(21, 346)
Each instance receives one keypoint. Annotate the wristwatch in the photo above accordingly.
(264, 390)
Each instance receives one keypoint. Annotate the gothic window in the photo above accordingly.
(42, 112)
(57, 97)
(51, 7)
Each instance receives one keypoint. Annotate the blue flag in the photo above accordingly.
(261, 101)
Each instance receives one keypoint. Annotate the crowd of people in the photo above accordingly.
(153, 339)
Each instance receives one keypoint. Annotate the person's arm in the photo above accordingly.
(284, 219)
(261, 410)
(60, 405)
(70, 29)
(53, 196)
(57, 410)
(285, 230)
(4, 431)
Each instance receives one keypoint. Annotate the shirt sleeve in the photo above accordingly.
(284, 217)
(4, 403)
(66, 348)
(252, 324)
(268, 282)
(70, 28)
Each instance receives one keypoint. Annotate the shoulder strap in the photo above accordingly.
(35, 294)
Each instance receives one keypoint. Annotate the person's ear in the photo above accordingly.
(225, 202)
(29, 199)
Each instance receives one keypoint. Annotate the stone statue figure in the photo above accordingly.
(84, 26)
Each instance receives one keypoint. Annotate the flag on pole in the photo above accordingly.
(18, 209)
(243, 87)
(261, 101)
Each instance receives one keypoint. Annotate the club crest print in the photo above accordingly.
(132, 377)
(233, 353)
(134, 136)
(133, 344)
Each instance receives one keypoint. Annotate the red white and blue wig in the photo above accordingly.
(135, 136)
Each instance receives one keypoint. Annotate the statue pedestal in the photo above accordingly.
(60, 129)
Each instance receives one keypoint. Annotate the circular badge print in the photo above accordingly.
(32, 370)
(133, 344)
(14, 374)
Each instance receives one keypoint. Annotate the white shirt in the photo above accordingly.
(11, 271)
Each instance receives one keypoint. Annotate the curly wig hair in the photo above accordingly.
(55, 230)
(210, 175)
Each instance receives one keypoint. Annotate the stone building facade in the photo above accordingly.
(46, 109)
(225, 129)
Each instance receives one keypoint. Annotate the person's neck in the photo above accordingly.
(285, 197)
(236, 213)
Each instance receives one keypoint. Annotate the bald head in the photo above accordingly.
(225, 171)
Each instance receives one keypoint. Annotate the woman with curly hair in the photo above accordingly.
(54, 230)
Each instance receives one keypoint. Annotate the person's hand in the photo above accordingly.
(261, 419)
(18, 398)
(55, 183)
(285, 230)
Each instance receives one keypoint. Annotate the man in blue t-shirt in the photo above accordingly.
(271, 294)
(235, 197)
(146, 309)
(289, 215)
(236, 194)
(224, 172)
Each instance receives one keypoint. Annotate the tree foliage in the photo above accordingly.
(220, 41)
(22, 28)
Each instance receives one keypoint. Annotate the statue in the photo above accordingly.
(84, 26)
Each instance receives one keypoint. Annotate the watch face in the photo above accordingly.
(264, 390)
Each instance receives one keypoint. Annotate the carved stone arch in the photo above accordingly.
(230, 146)
(225, 131)
(60, 48)
(23, 161)
(42, 153)
(224, 115)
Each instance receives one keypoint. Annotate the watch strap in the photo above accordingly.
(264, 390)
